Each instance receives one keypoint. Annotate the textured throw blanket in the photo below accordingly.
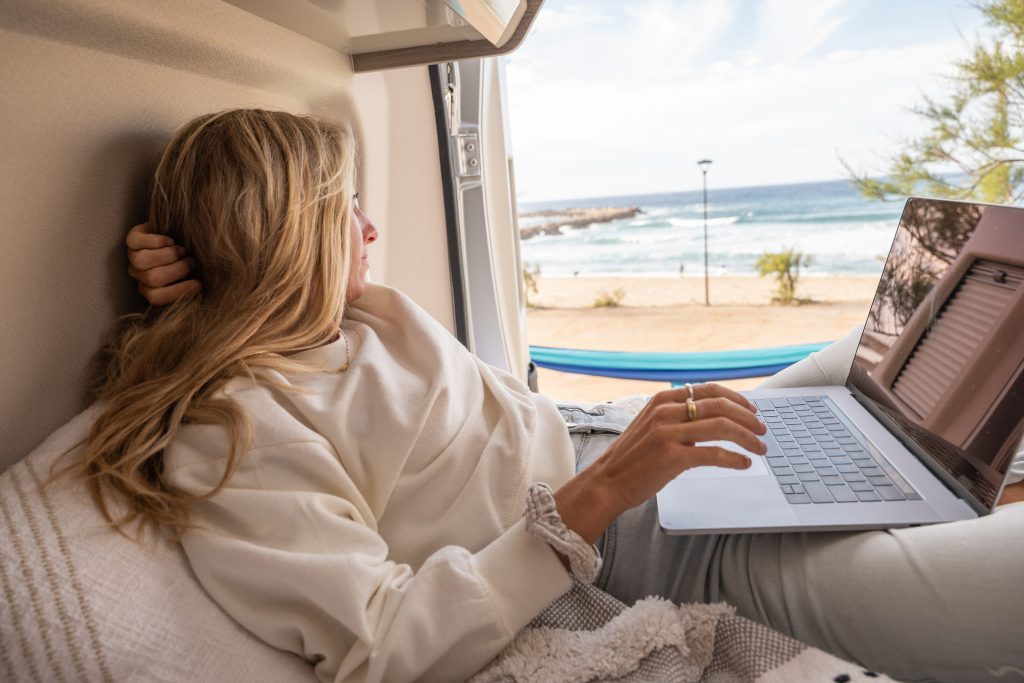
(587, 636)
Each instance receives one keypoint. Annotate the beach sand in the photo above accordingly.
(668, 314)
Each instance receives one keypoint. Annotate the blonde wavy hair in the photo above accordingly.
(262, 200)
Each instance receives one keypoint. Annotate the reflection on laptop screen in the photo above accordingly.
(942, 353)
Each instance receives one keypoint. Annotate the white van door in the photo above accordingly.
(487, 229)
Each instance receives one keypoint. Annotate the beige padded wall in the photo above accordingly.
(91, 91)
(400, 187)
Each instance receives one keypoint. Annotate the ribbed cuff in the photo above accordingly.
(523, 575)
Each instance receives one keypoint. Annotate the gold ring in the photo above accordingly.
(689, 390)
(691, 409)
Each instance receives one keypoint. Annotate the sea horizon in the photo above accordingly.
(698, 275)
(529, 205)
(841, 231)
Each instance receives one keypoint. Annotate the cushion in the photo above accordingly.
(81, 602)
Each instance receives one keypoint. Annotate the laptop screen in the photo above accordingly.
(942, 354)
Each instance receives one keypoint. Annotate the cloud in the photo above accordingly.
(624, 41)
(789, 29)
(572, 17)
(663, 38)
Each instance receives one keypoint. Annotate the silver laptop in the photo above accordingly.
(930, 418)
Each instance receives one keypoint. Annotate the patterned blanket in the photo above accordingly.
(587, 636)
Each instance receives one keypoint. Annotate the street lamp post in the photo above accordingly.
(704, 163)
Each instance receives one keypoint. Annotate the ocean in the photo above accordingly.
(842, 232)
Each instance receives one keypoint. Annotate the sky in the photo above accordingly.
(615, 98)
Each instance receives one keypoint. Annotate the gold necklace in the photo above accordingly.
(348, 357)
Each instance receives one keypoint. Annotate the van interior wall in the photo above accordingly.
(93, 89)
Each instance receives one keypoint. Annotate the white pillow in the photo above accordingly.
(81, 602)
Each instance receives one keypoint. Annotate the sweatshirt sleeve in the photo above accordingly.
(289, 550)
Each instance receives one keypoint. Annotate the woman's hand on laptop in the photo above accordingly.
(159, 266)
(657, 446)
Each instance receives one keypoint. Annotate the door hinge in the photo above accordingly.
(467, 151)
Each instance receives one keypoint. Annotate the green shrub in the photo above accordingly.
(610, 299)
(785, 266)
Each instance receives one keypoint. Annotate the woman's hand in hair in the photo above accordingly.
(660, 443)
(159, 266)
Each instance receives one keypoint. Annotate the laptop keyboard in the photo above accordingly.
(821, 461)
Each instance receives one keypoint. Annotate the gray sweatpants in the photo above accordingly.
(942, 602)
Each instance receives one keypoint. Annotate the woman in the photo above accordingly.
(373, 526)
(348, 481)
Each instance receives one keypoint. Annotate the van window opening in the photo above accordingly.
(743, 124)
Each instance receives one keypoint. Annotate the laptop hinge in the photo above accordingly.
(955, 487)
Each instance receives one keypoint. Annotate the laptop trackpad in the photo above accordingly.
(712, 499)
(757, 468)
(723, 505)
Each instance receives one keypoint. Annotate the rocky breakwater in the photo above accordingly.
(574, 219)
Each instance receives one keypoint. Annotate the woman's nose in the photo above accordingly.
(370, 233)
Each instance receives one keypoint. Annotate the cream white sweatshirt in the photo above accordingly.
(374, 524)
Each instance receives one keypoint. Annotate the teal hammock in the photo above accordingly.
(674, 367)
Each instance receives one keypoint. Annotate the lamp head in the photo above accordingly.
(704, 163)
